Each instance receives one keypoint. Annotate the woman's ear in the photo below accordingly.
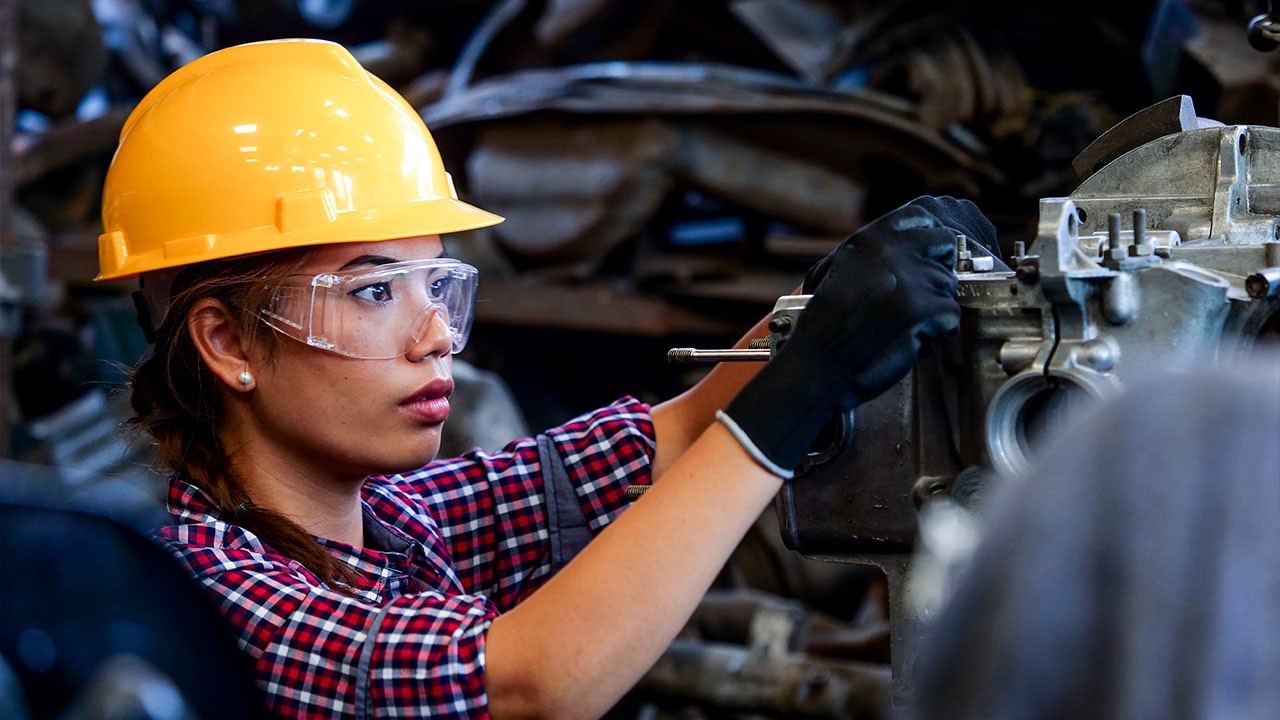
(214, 332)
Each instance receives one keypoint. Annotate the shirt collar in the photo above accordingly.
(190, 504)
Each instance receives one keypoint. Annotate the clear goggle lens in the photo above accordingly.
(379, 313)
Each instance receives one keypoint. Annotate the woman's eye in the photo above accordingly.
(439, 286)
(377, 292)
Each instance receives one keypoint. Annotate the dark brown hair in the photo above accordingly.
(177, 402)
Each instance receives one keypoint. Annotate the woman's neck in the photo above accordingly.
(321, 499)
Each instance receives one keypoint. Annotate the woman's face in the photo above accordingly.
(356, 416)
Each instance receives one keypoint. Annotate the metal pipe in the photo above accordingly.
(693, 355)
(1263, 284)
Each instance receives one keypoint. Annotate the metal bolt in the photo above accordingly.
(1263, 284)
(779, 325)
(1113, 231)
(1019, 250)
(964, 262)
(760, 343)
(1140, 245)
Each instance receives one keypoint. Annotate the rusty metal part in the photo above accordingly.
(1176, 114)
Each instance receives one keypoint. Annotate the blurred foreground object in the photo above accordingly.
(1134, 571)
(98, 622)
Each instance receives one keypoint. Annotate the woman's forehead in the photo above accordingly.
(330, 258)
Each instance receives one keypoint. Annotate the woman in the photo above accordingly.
(284, 210)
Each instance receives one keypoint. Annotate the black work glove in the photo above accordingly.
(887, 287)
(961, 215)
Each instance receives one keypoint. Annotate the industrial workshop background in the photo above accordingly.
(667, 170)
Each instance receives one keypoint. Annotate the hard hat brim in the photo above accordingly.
(429, 217)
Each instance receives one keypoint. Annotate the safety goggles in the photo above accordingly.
(375, 313)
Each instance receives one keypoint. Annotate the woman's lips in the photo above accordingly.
(430, 403)
(427, 410)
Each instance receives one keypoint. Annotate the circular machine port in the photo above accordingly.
(1025, 413)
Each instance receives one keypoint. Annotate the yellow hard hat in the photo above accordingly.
(267, 146)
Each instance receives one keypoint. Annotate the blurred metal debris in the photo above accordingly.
(775, 183)
(1232, 81)
(24, 256)
(65, 144)
(570, 190)
(464, 67)
(958, 80)
(62, 55)
(752, 679)
(10, 307)
(771, 148)
(398, 57)
(696, 89)
(811, 36)
(562, 18)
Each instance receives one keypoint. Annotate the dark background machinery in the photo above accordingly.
(718, 149)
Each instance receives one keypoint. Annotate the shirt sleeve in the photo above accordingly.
(320, 653)
(492, 508)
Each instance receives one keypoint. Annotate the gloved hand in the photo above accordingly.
(961, 215)
(886, 288)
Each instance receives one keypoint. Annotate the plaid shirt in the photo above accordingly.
(448, 548)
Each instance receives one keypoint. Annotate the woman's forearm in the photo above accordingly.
(582, 640)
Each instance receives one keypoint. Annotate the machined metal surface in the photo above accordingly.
(1168, 257)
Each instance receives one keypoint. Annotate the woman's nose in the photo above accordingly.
(431, 334)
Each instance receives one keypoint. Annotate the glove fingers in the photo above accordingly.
(937, 244)
(962, 216)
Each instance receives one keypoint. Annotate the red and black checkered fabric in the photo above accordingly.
(448, 548)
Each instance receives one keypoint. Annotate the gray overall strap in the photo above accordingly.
(566, 523)
(364, 673)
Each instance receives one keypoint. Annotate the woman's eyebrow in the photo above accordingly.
(368, 260)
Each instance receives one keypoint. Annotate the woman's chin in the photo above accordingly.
(410, 460)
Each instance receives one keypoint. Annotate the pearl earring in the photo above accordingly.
(245, 378)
